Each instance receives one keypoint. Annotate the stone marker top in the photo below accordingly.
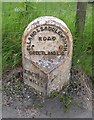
(46, 20)
(47, 43)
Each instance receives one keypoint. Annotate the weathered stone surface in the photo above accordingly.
(46, 54)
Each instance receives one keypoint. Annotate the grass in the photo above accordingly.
(16, 16)
(54, 93)
(67, 101)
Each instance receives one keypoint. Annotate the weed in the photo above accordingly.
(3, 88)
(13, 86)
(54, 93)
(66, 100)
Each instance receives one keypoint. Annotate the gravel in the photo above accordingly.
(22, 101)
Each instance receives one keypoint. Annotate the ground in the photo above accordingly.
(51, 109)
(19, 100)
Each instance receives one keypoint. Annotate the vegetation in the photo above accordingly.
(13, 86)
(54, 93)
(66, 100)
(16, 16)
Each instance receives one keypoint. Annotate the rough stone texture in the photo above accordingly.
(46, 54)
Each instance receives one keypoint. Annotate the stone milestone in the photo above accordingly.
(46, 54)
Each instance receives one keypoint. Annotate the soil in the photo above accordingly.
(20, 101)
